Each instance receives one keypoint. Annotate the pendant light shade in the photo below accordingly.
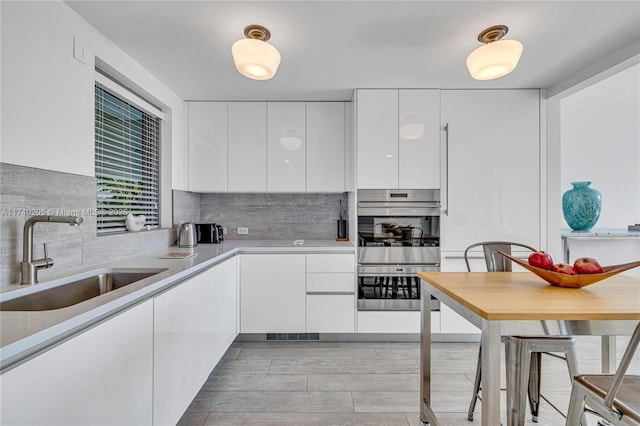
(497, 57)
(253, 56)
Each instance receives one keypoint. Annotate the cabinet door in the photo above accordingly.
(330, 262)
(207, 146)
(102, 376)
(419, 139)
(247, 146)
(377, 133)
(194, 324)
(331, 313)
(272, 293)
(286, 146)
(325, 146)
(493, 179)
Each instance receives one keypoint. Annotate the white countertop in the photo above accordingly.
(25, 333)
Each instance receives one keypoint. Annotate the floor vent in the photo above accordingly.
(293, 336)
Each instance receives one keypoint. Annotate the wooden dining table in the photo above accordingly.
(520, 303)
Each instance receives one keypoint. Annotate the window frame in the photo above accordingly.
(111, 87)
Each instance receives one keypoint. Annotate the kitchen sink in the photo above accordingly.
(78, 289)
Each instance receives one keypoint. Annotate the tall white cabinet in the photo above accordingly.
(491, 176)
(398, 138)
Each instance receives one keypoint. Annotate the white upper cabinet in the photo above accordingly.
(377, 132)
(286, 146)
(266, 146)
(419, 139)
(326, 146)
(398, 138)
(207, 146)
(247, 146)
(492, 170)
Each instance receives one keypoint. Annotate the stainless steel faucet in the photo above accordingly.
(29, 265)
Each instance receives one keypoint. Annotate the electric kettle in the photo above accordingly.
(187, 235)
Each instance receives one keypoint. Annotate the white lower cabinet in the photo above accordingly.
(102, 376)
(297, 293)
(194, 325)
(331, 313)
(395, 322)
(331, 303)
(272, 293)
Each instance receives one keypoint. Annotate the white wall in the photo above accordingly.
(48, 95)
(600, 142)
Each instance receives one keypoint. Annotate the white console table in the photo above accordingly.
(610, 247)
(595, 236)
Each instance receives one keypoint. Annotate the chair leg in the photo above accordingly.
(476, 386)
(575, 412)
(572, 361)
(534, 384)
(517, 366)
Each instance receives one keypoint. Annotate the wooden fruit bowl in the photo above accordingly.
(573, 281)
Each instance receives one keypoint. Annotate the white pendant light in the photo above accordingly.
(497, 57)
(253, 56)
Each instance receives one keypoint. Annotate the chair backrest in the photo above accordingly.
(494, 260)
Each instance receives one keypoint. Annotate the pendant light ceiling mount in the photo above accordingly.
(253, 57)
(492, 34)
(257, 32)
(497, 57)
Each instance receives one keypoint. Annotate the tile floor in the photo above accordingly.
(360, 383)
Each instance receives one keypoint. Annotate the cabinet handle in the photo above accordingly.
(445, 209)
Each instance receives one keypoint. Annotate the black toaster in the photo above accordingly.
(209, 233)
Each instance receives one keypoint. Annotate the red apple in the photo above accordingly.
(563, 268)
(541, 259)
(587, 265)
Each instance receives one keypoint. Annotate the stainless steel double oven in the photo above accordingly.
(398, 236)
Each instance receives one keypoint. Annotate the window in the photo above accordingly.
(127, 146)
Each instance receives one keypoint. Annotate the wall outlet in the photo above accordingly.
(224, 230)
(243, 231)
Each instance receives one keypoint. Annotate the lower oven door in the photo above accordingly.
(392, 287)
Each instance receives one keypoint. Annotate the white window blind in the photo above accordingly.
(127, 146)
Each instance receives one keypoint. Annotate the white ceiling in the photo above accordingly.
(331, 47)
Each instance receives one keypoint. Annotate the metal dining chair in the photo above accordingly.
(615, 397)
(522, 353)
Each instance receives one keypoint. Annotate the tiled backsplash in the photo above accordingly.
(26, 192)
(268, 216)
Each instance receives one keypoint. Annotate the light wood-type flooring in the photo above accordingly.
(362, 383)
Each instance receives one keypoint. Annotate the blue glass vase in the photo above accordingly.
(581, 206)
